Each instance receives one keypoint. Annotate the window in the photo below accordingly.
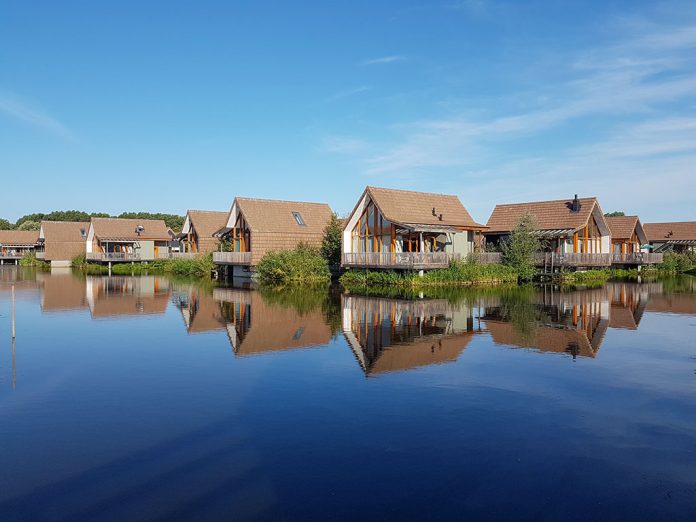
(83, 232)
(298, 218)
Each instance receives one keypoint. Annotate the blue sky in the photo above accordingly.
(115, 106)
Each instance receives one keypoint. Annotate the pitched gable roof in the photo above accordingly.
(207, 222)
(63, 240)
(268, 215)
(411, 207)
(19, 237)
(124, 229)
(672, 231)
(549, 215)
(622, 227)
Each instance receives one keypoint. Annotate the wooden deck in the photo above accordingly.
(550, 260)
(638, 258)
(399, 260)
(232, 258)
(114, 257)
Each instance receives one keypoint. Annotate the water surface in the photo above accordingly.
(143, 398)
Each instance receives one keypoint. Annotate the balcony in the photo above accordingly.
(232, 258)
(40, 255)
(552, 259)
(399, 260)
(637, 258)
(112, 256)
(177, 255)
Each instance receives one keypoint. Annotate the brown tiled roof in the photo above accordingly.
(207, 222)
(19, 237)
(549, 215)
(680, 230)
(112, 228)
(410, 207)
(269, 215)
(622, 227)
(63, 240)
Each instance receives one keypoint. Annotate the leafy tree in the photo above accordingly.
(30, 225)
(331, 244)
(5, 225)
(60, 215)
(173, 221)
(616, 213)
(520, 246)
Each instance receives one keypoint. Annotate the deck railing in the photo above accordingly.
(41, 254)
(487, 258)
(112, 256)
(637, 258)
(553, 259)
(232, 258)
(177, 255)
(403, 260)
(11, 256)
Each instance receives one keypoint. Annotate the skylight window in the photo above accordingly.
(298, 218)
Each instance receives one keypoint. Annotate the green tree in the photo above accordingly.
(331, 244)
(173, 221)
(5, 225)
(30, 225)
(616, 213)
(521, 245)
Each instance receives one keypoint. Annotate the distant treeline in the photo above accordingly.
(33, 221)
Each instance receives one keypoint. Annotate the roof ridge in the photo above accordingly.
(242, 198)
(546, 201)
(411, 191)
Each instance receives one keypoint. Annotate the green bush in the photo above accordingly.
(302, 265)
(29, 259)
(678, 263)
(520, 246)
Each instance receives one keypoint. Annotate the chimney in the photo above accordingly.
(434, 213)
(575, 207)
(439, 217)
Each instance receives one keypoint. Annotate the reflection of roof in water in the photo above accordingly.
(260, 327)
(683, 304)
(546, 338)
(202, 313)
(408, 356)
(623, 317)
(125, 304)
(63, 292)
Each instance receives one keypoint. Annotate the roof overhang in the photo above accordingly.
(223, 231)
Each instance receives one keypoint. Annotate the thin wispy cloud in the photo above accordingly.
(384, 60)
(350, 92)
(13, 107)
(639, 91)
(343, 144)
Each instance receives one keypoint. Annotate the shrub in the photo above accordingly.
(304, 264)
(331, 244)
(520, 246)
(29, 259)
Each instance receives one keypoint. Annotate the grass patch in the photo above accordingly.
(201, 267)
(303, 265)
(457, 274)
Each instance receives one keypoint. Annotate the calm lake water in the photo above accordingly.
(149, 398)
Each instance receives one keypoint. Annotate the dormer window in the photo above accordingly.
(298, 218)
(83, 232)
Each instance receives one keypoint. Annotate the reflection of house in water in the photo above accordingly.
(63, 292)
(256, 326)
(628, 301)
(555, 322)
(388, 335)
(113, 296)
(201, 313)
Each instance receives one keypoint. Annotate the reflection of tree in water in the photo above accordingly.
(306, 299)
(518, 308)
